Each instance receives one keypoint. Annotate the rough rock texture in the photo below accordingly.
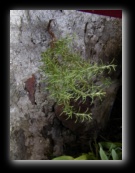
(35, 131)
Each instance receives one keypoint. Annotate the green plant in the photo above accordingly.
(69, 76)
(110, 151)
(84, 156)
(107, 151)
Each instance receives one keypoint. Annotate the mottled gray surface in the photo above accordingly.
(96, 36)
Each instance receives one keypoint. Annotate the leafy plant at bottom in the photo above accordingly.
(110, 151)
(84, 156)
(107, 151)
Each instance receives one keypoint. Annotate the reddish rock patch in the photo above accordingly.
(30, 85)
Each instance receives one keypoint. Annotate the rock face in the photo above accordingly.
(35, 131)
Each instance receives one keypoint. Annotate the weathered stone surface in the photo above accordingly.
(96, 37)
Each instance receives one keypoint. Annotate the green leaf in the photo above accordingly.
(110, 145)
(114, 155)
(82, 157)
(103, 154)
(91, 156)
(63, 158)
